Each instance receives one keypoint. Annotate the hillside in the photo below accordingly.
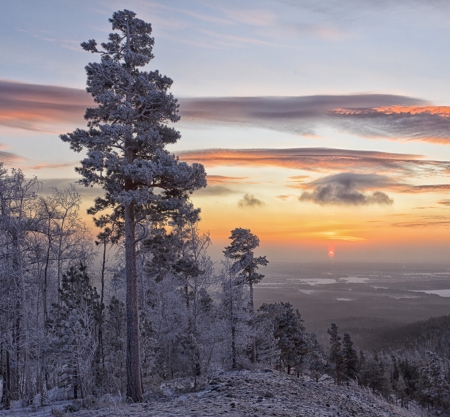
(261, 393)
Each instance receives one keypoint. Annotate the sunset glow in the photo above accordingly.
(354, 158)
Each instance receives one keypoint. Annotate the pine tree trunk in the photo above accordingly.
(252, 324)
(6, 396)
(44, 290)
(233, 329)
(102, 307)
(134, 384)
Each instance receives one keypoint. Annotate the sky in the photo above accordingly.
(323, 125)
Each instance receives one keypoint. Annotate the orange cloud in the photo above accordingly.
(319, 160)
(222, 179)
(430, 188)
(443, 111)
(51, 166)
(423, 223)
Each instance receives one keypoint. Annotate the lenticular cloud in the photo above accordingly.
(347, 189)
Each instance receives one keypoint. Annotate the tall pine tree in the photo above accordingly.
(125, 142)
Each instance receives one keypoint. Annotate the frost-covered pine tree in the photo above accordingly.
(234, 315)
(290, 333)
(434, 381)
(74, 325)
(351, 363)
(125, 142)
(246, 265)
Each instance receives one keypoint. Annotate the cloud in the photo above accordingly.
(428, 188)
(347, 189)
(249, 200)
(9, 157)
(52, 166)
(351, 180)
(222, 179)
(350, 188)
(444, 202)
(369, 115)
(46, 108)
(320, 160)
(217, 185)
(423, 123)
(299, 115)
(41, 107)
(425, 222)
(214, 190)
(63, 183)
(226, 40)
(349, 12)
(284, 197)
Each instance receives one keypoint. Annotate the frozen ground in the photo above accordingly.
(257, 393)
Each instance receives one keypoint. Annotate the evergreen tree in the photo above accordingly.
(351, 363)
(336, 356)
(435, 388)
(316, 358)
(374, 373)
(290, 333)
(115, 346)
(74, 325)
(267, 351)
(246, 265)
(233, 314)
(126, 154)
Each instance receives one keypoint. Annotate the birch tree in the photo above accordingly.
(125, 142)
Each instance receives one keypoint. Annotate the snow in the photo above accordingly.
(257, 393)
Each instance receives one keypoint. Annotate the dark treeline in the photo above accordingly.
(431, 334)
(412, 365)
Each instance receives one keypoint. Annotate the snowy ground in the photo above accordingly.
(255, 393)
